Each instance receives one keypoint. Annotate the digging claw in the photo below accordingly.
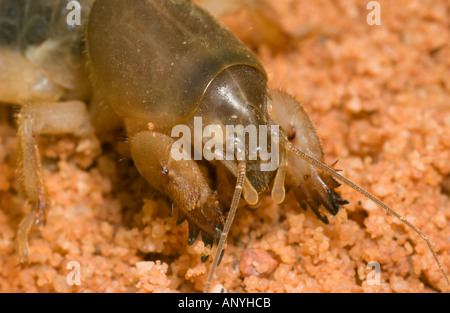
(320, 191)
(206, 219)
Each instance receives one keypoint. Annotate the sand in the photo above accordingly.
(380, 99)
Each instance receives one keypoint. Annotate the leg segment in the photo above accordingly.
(31, 180)
(181, 180)
(35, 119)
(310, 185)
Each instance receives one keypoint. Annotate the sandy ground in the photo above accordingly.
(380, 99)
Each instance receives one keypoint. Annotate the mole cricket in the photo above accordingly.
(157, 64)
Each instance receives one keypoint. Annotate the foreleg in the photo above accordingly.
(43, 118)
(311, 186)
(180, 180)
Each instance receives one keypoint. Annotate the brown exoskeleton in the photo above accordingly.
(159, 64)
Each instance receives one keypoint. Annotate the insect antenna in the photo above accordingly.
(242, 166)
(319, 165)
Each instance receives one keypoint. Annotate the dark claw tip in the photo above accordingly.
(181, 218)
(193, 233)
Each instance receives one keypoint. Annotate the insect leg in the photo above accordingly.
(181, 180)
(44, 118)
(311, 186)
(31, 180)
(17, 77)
